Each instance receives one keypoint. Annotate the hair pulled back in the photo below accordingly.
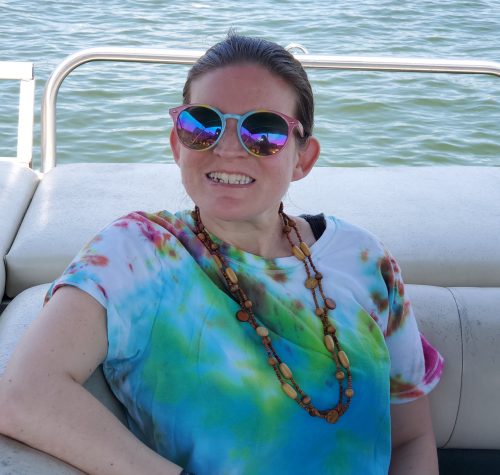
(237, 49)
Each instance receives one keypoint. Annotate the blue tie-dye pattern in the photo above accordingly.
(196, 382)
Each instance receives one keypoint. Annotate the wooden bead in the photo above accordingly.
(313, 411)
(318, 276)
(330, 304)
(231, 275)
(340, 375)
(329, 343)
(214, 246)
(201, 236)
(298, 253)
(311, 283)
(247, 303)
(319, 312)
(331, 329)
(289, 391)
(344, 361)
(286, 229)
(266, 340)
(349, 393)
(305, 249)
(285, 371)
(272, 361)
(262, 331)
(217, 261)
(242, 316)
(306, 400)
(234, 288)
(332, 416)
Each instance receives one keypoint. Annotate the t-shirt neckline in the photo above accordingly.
(248, 259)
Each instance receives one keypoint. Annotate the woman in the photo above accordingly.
(240, 340)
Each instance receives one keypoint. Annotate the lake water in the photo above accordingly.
(110, 112)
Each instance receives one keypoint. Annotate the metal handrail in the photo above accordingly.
(22, 71)
(171, 56)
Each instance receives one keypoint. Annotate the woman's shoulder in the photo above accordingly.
(139, 233)
(149, 224)
(163, 218)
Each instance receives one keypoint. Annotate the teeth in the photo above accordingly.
(231, 179)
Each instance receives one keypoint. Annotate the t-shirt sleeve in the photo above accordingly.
(120, 268)
(416, 366)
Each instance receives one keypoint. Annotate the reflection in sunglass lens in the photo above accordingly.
(264, 133)
(198, 127)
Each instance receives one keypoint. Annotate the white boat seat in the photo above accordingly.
(433, 219)
(458, 321)
(19, 459)
(72, 203)
(441, 223)
(17, 185)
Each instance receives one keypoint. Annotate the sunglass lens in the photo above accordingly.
(198, 127)
(264, 133)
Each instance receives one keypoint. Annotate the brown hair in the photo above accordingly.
(237, 49)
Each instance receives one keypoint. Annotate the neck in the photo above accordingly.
(262, 236)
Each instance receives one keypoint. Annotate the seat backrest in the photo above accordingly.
(17, 181)
(17, 186)
(439, 222)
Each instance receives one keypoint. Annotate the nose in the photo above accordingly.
(229, 144)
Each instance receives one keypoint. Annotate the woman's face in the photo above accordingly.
(238, 89)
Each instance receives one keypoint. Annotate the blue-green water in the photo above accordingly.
(118, 112)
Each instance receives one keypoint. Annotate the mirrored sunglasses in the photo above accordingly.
(262, 133)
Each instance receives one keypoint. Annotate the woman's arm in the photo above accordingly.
(413, 443)
(43, 403)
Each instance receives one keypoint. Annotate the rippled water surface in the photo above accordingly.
(118, 112)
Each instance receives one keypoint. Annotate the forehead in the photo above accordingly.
(241, 88)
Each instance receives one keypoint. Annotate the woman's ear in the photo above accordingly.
(174, 145)
(308, 155)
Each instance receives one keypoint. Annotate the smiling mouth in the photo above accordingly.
(230, 178)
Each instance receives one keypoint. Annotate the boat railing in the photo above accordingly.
(23, 72)
(186, 57)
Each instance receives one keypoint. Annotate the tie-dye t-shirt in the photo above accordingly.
(196, 382)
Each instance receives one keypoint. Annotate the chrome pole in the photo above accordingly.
(171, 56)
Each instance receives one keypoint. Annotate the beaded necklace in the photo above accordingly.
(322, 305)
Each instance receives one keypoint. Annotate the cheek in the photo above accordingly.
(284, 168)
(187, 172)
(191, 167)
